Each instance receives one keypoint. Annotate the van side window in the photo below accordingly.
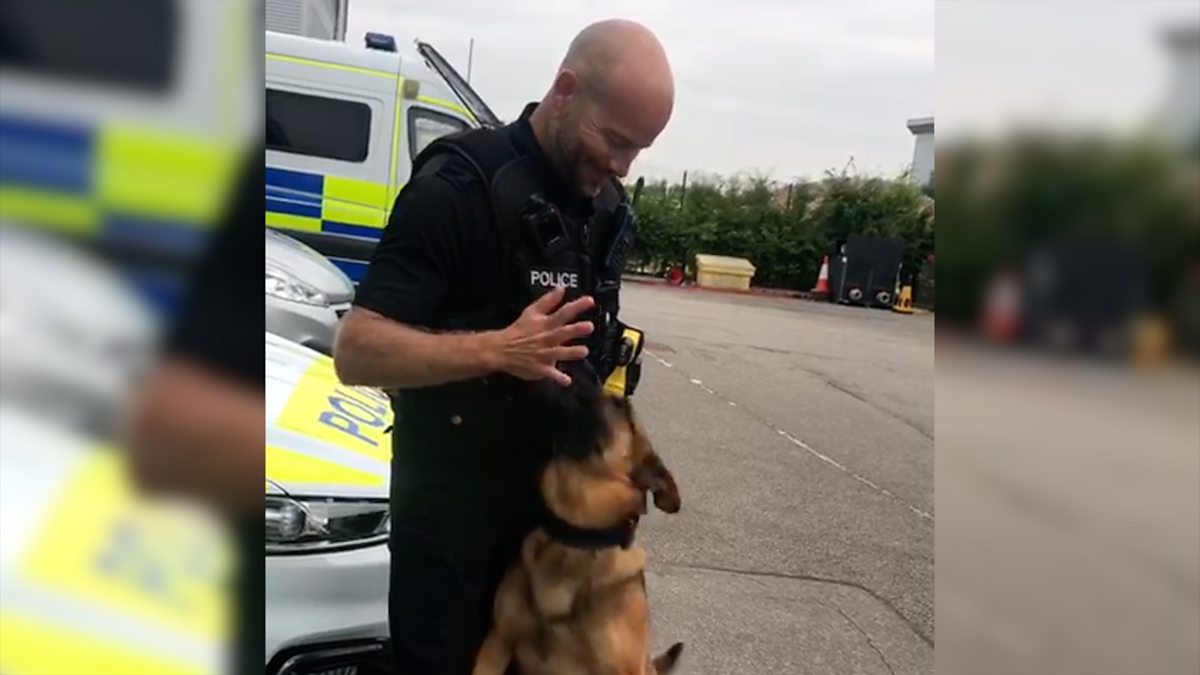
(303, 124)
(425, 126)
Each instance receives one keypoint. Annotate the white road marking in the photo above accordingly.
(919, 512)
(665, 363)
(809, 449)
(866, 481)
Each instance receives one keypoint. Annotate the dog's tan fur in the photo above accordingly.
(570, 611)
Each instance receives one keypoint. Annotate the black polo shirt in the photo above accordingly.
(439, 256)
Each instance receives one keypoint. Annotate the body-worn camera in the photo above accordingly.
(545, 227)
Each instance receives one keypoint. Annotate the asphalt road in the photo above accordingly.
(801, 435)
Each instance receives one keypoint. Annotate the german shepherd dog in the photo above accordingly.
(575, 601)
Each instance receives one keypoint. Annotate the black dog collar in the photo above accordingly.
(577, 537)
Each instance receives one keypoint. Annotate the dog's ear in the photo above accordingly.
(651, 474)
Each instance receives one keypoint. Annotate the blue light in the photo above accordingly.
(381, 41)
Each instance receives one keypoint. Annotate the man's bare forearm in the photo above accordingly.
(372, 350)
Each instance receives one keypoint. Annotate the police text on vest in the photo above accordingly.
(549, 279)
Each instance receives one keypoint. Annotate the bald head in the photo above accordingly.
(611, 98)
(612, 56)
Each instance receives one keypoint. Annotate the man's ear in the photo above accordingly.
(566, 85)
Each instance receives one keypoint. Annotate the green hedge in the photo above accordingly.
(783, 230)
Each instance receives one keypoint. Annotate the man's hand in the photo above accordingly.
(373, 350)
(536, 341)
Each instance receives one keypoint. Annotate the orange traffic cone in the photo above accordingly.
(822, 288)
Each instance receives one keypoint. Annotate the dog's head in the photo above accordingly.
(603, 465)
(572, 416)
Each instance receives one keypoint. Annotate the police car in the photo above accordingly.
(306, 294)
(327, 519)
(343, 125)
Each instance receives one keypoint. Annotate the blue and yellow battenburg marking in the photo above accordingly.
(121, 186)
(313, 202)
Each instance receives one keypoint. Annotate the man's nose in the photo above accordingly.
(620, 163)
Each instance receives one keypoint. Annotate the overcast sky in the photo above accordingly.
(784, 87)
(1084, 63)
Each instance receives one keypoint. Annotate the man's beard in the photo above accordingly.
(568, 159)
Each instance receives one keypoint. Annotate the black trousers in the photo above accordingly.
(444, 575)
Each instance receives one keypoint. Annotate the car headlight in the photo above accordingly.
(286, 286)
(299, 525)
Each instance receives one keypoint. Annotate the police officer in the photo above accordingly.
(501, 260)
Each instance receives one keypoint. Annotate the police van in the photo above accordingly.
(122, 126)
(343, 124)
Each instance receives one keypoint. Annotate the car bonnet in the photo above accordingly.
(323, 438)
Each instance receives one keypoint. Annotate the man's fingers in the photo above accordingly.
(549, 300)
(569, 311)
(567, 333)
(558, 376)
(569, 353)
